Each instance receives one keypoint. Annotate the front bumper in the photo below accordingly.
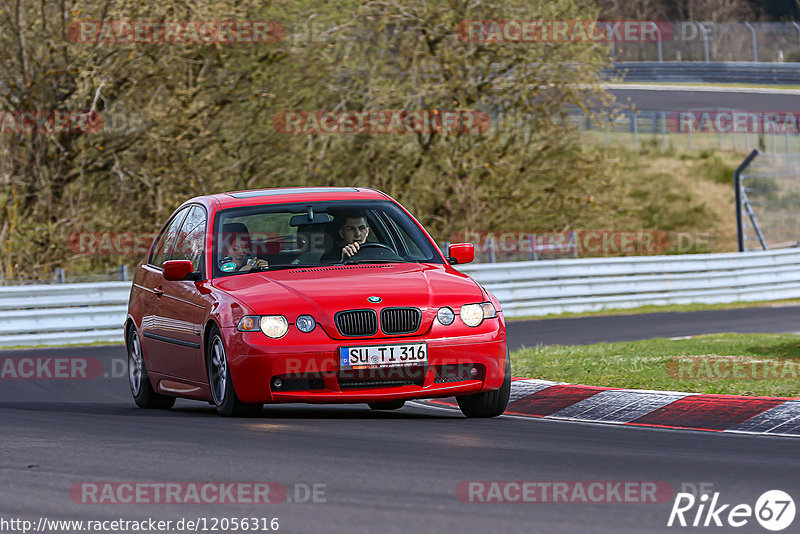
(310, 373)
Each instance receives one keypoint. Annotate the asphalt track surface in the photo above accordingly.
(382, 471)
(684, 100)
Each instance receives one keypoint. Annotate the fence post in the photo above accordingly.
(59, 275)
(737, 184)
(122, 271)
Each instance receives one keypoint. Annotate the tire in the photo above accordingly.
(139, 381)
(219, 379)
(390, 405)
(488, 403)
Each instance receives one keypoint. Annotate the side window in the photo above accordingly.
(166, 241)
(191, 238)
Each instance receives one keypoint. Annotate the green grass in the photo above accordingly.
(683, 142)
(661, 309)
(716, 84)
(662, 364)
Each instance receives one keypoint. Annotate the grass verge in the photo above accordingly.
(731, 364)
(662, 309)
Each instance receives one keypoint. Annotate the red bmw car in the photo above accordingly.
(314, 295)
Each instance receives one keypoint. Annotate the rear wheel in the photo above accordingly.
(143, 393)
(488, 403)
(219, 378)
(390, 405)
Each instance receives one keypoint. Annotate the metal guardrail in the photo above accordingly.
(701, 72)
(63, 313)
(83, 313)
(558, 286)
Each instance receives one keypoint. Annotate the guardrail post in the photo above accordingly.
(755, 41)
(658, 43)
(490, 251)
(705, 40)
(59, 275)
(737, 184)
(122, 271)
(532, 239)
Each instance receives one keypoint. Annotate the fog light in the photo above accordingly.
(277, 383)
(474, 372)
(445, 315)
(305, 323)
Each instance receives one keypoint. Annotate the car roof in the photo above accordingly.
(281, 195)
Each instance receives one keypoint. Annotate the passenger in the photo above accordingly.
(236, 250)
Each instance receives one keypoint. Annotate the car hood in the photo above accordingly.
(323, 291)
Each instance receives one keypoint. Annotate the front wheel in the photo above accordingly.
(219, 378)
(143, 393)
(488, 403)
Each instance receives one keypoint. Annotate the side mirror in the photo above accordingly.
(176, 270)
(461, 253)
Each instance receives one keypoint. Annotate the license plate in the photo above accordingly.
(373, 356)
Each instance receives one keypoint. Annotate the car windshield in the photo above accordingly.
(289, 236)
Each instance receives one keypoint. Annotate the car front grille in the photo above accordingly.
(400, 320)
(357, 384)
(357, 322)
(384, 377)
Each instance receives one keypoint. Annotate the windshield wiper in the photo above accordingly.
(356, 262)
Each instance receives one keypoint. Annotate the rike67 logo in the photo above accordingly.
(774, 510)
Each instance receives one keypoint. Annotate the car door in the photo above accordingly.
(177, 326)
(156, 353)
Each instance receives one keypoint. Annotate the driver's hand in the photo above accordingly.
(350, 250)
(255, 263)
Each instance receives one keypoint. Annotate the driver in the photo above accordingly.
(353, 232)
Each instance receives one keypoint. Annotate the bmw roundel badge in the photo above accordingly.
(374, 300)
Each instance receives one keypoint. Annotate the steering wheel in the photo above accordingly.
(374, 245)
(374, 251)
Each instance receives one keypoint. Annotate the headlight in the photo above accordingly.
(274, 326)
(445, 315)
(472, 314)
(305, 323)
